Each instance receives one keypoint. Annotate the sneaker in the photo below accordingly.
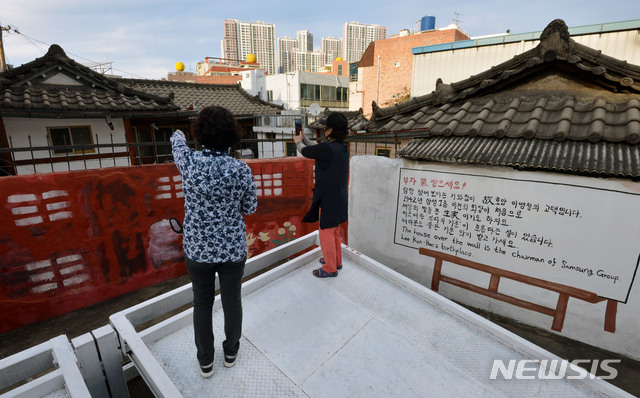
(229, 360)
(206, 371)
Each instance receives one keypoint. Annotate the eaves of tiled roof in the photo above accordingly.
(355, 119)
(558, 95)
(56, 86)
(601, 159)
(194, 96)
(529, 115)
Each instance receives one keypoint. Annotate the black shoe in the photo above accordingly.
(229, 360)
(207, 371)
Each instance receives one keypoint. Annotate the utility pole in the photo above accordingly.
(3, 63)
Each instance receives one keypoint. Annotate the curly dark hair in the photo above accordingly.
(216, 128)
(339, 134)
(339, 125)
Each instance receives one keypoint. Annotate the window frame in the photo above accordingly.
(291, 149)
(383, 151)
(61, 152)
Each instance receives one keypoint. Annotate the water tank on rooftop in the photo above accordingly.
(428, 22)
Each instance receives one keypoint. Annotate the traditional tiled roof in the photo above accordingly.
(561, 106)
(355, 119)
(603, 159)
(194, 96)
(55, 85)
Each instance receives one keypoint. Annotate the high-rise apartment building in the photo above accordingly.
(300, 61)
(308, 61)
(317, 60)
(357, 38)
(331, 47)
(305, 40)
(286, 47)
(298, 55)
(256, 38)
(230, 40)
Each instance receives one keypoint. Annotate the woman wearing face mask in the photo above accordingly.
(330, 195)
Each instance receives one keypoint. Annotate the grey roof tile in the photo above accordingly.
(25, 90)
(355, 119)
(603, 159)
(28, 90)
(194, 96)
(536, 110)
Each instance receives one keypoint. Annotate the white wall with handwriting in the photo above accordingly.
(576, 231)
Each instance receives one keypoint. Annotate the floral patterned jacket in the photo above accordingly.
(217, 189)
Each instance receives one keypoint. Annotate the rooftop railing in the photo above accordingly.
(32, 158)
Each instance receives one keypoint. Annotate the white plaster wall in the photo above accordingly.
(356, 96)
(254, 82)
(275, 149)
(19, 129)
(285, 88)
(373, 198)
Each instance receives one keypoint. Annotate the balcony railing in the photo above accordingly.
(58, 158)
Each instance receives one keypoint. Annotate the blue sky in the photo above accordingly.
(144, 38)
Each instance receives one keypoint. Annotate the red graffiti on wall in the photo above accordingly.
(77, 238)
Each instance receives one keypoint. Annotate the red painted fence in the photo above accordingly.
(69, 240)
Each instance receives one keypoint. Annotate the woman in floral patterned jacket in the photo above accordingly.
(218, 190)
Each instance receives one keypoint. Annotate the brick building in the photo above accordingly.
(336, 67)
(386, 66)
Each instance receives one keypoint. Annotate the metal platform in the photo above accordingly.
(369, 332)
(47, 370)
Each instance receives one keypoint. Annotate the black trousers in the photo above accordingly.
(203, 281)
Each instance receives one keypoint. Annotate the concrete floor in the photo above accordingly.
(85, 320)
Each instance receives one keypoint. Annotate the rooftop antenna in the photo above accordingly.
(457, 18)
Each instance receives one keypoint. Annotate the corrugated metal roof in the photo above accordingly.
(515, 38)
(603, 159)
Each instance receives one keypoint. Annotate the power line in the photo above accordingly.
(32, 40)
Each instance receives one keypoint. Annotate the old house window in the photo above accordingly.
(162, 137)
(73, 135)
(291, 148)
(382, 151)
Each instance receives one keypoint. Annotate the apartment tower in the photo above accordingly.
(331, 47)
(357, 38)
(256, 38)
(305, 41)
(286, 47)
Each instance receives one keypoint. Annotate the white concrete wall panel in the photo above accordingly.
(598, 236)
